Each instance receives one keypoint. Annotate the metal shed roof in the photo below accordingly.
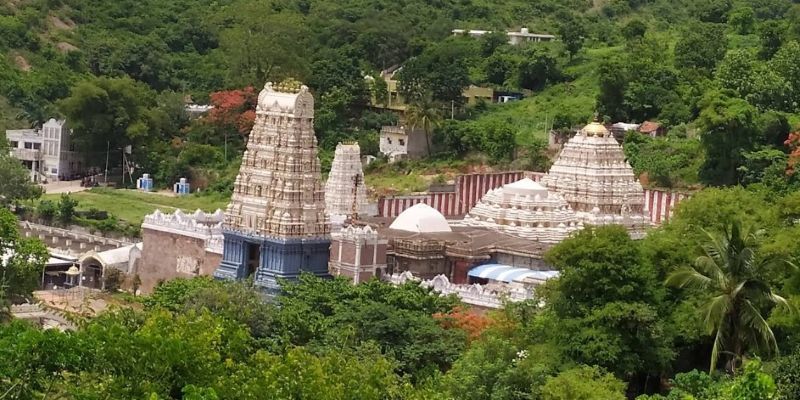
(507, 273)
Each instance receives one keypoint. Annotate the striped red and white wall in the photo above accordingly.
(470, 188)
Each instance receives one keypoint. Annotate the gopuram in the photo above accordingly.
(592, 175)
(275, 225)
(345, 193)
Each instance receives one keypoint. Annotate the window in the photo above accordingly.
(402, 142)
(54, 170)
(28, 145)
(37, 146)
(14, 144)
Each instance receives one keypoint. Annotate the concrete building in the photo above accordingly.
(396, 102)
(48, 152)
(357, 253)
(399, 143)
(514, 38)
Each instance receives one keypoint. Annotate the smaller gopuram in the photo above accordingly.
(593, 176)
(524, 209)
(275, 225)
(345, 193)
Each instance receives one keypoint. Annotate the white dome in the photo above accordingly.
(421, 218)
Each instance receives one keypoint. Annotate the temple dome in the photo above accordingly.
(421, 218)
(595, 129)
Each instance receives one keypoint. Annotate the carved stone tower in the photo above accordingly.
(592, 175)
(275, 224)
(345, 193)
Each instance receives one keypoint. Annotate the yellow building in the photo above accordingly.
(396, 102)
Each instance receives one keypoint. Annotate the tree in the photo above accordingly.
(634, 30)
(787, 376)
(730, 273)
(426, 115)
(572, 33)
(256, 45)
(727, 127)
(771, 35)
(66, 209)
(107, 113)
(607, 298)
(21, 262)
(742, 20)
(15, 181)
(701, 47)
(537, 69)
(583, 383)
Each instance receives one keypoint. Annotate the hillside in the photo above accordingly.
(629, 60)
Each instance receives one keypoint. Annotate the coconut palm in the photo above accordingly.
(424, 113)
(729, 271)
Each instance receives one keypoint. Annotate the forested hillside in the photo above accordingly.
(120, 71)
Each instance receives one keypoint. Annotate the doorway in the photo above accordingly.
(253, 258)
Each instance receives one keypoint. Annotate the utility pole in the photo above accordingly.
(108, 147)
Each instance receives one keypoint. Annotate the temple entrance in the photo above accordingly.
(253, 258)
(93, 276)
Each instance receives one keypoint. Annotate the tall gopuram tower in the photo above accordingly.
(592, 175)
(275, 225)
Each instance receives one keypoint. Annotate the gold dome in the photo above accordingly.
(595, 129)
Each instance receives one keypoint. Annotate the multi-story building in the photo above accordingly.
(47, 152)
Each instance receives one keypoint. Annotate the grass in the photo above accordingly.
(533, 116)
(132, 206)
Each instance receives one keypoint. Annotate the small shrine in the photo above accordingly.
(145, 183)
(275, 225)
(524, 209)
(598, 183)
(181, 187)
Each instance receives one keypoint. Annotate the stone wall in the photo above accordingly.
(169, 255)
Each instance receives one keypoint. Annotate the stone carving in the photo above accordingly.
(345, 193)
(524, 209)
(277, 209)
(594, 177)
(288, 197)
(475, 294)
(198, 224)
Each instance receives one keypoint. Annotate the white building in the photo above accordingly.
(514, 38)
(47, 153)
(397, 143)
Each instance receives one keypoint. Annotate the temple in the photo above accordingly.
(524, 209)
(592, 175)
(345, 193)
(275, 225)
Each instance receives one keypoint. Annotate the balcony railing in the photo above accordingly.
(27, 154)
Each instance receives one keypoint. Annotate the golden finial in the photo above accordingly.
(289, 85)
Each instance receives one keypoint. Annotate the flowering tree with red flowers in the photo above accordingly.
(793, 143)
(233, 110)
(461, 318)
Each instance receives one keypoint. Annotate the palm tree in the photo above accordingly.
(424, 113)
(729, 271)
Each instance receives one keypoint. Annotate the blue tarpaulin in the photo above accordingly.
(507, 273)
